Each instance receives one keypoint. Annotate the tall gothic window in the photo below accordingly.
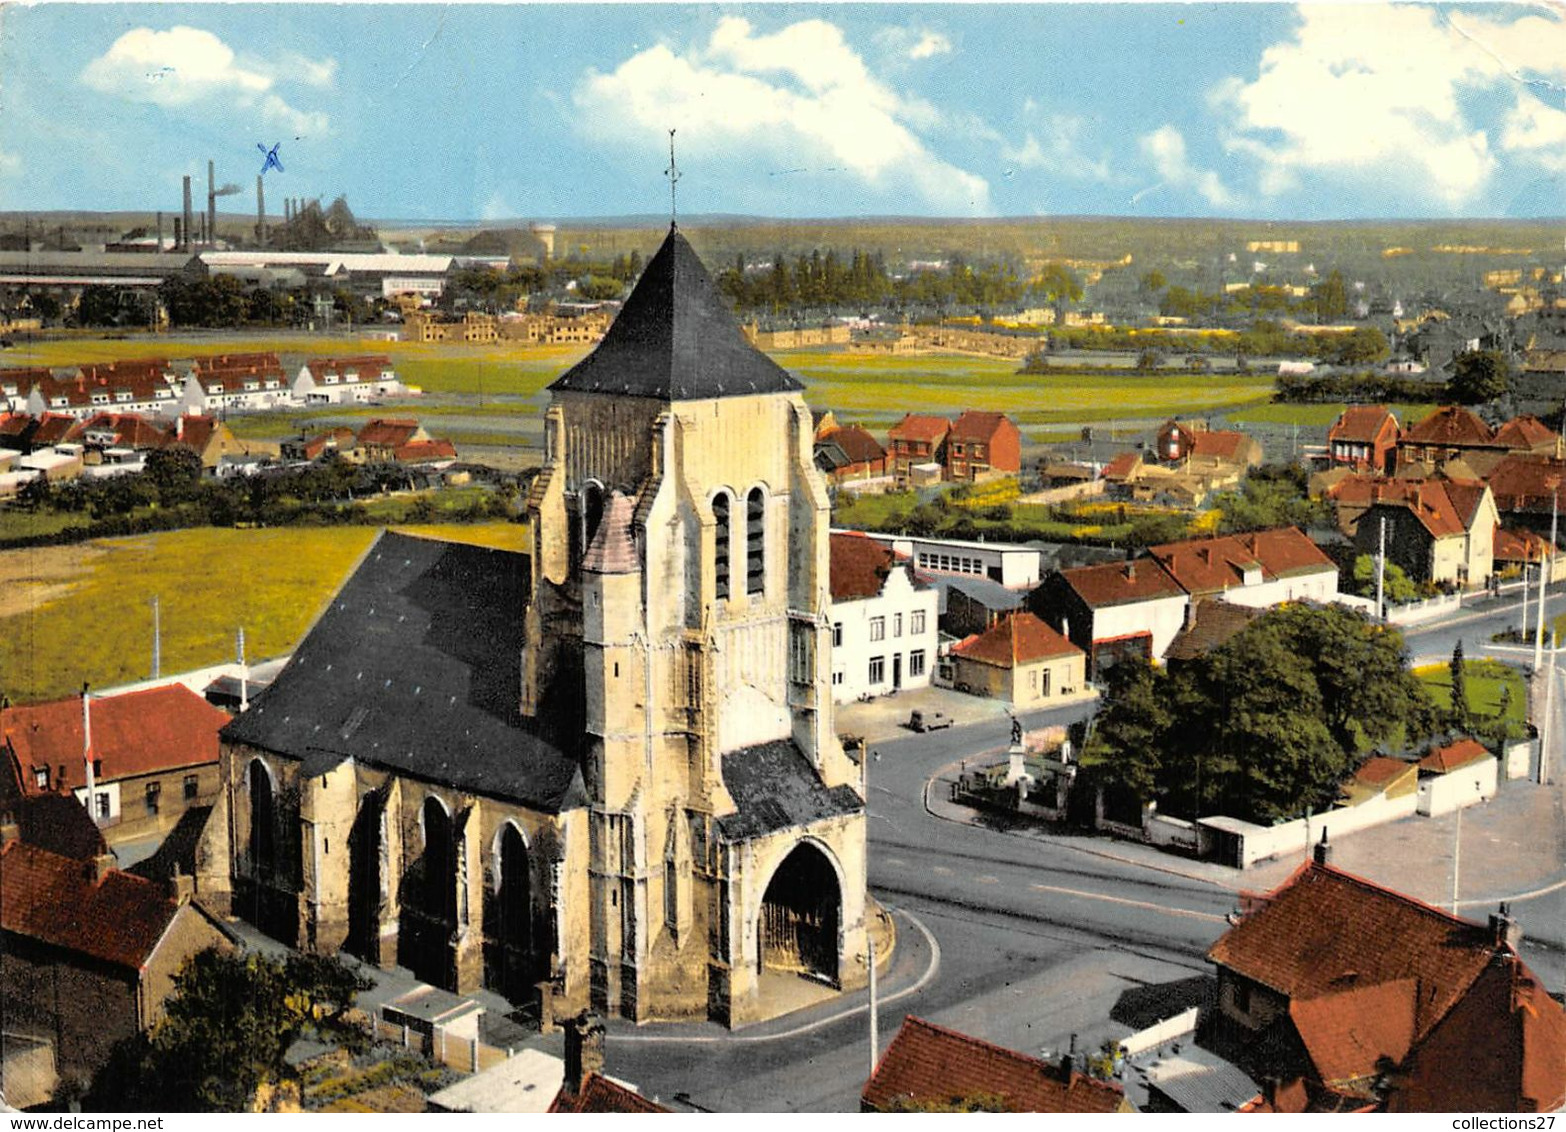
(755, 541)
(592, 513)
(720, 553)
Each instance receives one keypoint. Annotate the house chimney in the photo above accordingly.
(9, 830)
(1322, 854)
(1130, 570)
(181, 888)
(1068, 1061)
(100, 867)
(584, 1049)
(1504, 928)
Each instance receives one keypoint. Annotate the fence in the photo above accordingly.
(1424, 610)
(1240, 844)
(1156, 1035)
(465, 1055)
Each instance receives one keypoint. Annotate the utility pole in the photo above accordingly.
(875, 1037)
(1546, 568)
(1381, 573)
(1457, 847)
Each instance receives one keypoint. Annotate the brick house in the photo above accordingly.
(1114, 610)
(931, 1068)
(1364, 438)
(916, 440)
(90, 952)
(982, 446)
(379, 439)
(1438, 531)
(153, 754)
(849, 453)
(1449, 433)
(1261, 568)
(1348, 996)
(1021, 660)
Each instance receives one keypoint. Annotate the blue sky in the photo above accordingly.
(467, 112)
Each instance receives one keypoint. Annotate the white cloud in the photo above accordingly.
(10, 164)
(1165, 149)
(186, 66)
(1364, 91)
(930, 45)
(798, 98)
(1060, 150)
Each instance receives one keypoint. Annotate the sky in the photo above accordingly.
(533, 111)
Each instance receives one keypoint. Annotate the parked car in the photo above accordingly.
(929, 720)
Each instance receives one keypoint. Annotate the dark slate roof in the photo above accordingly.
(776, 788)
(675, 340)
(416, 668)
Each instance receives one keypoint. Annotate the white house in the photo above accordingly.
(1114, 610)
(1456, 776)
(343, 381)
(884, 631)
(1260, 569)
(1015, 567)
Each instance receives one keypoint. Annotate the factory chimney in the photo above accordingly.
(211, 234)
(188, 217)
(260, 212)
(159, 248)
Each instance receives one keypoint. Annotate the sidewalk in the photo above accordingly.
(1512, 846)
(886, 717)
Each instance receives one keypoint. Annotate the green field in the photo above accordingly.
(857, 386)
(91, 619)
(1487, 682)
(1278, 412)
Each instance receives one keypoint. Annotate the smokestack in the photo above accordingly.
(211, 235)
(178, 234)
(260, 211)
(188, 216)
(160, 233)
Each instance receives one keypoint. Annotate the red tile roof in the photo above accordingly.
(130, 430)
(1362, 424)
(1212, 624)
(54, 900)
(1226, 446)
(368, 367)
(1122, 466)
(213, 363)
(1523, 483)
(424, 451)
(1526, 432)
(1454, 756)
(857, 444)
(1450, 424)
(387, 432)
(1518, 546)
(1324, 931)
(52, 429)
(196, 432)
(1501, 1049)
(1120, 583)
(1378, 770)
(1348, 1033)
(929, 1065)
(132, 733)
(915, 427)
(976, 425)
(1018, 638)
(600, 1094)
(860, 565)
(1212, 565)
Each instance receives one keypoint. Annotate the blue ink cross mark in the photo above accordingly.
(271, 158)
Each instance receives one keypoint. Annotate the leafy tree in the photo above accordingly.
(1148, 360)
(1396, 585)
(174, 473)
(1331, 297)
(1129, 734)
(1059, 285)
(98, 306)
(1479, 376)
(1153, 281)
(227, 1028)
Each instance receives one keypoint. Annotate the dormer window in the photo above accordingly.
(41, 777)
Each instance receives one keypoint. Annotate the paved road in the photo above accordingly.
(1035, 941)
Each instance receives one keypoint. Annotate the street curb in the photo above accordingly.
(1050, 839)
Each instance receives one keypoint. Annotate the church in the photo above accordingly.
(601, 774)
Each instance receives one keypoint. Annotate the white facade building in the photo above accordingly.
(884, 627)
(1015, 567)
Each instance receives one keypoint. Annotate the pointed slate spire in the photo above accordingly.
(674, 340)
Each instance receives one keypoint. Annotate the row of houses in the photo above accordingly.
(921, 450)
(978, 617)
(1369, 439)
(209, 384)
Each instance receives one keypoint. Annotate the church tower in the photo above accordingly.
(678, 634)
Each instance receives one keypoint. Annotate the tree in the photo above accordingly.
(1395, 583)
(1331, 297)
(1479, 376)
(174, 473)
(1459, 713)
(1153, 281)
(1059, 285)
(98, 306)
(1130, 732)
(1148, 360)
(226, 1030)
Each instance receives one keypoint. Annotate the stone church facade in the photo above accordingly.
(604, 773)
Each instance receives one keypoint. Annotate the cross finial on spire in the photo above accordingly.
(673, 173)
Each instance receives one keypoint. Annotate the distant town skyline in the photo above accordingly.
(474, 113)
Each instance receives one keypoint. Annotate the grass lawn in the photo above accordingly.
(17, 523)
(92, 617)
(1487, 683)
(1279, 412)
